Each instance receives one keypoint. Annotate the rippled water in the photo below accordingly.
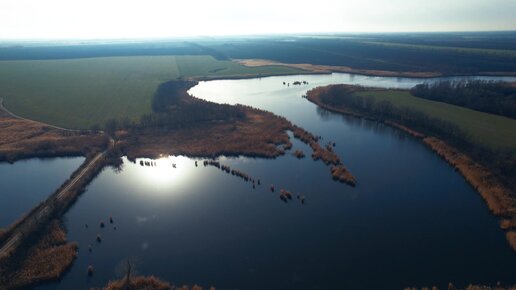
(411, 221)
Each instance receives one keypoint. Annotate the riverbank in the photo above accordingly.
(497, 195)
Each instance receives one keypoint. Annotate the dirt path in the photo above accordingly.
(5, 112)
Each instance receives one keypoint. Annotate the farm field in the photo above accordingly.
(80, 93)
(488, 129)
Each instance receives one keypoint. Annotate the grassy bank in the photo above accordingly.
(487, 129)
(79, 93)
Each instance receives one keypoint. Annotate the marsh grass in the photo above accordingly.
(45, 260)
(148, 283)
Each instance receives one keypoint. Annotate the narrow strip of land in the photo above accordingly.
(47, 208)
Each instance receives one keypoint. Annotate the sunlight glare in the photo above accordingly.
(162, 173)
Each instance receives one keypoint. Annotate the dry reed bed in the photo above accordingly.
(47, 259)
(20, 138)
(260, 134)
(341, 174)
(326, 154)
(148, 283)
(469, 287)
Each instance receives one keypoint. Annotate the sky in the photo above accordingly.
(109, 19)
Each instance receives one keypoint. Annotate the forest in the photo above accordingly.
(485, 96)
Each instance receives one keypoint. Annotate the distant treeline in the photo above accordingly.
(486, 96)
(105, 50)
(357, 53)
(371, 52)
(505, 40)
(501, 162)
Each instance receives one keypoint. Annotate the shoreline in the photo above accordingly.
(497, 197)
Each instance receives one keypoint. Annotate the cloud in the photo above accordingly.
(163, 18)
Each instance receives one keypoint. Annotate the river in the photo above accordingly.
(412, 220)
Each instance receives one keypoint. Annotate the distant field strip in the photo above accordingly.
(483, 51)
(488, 129)
(79, 93)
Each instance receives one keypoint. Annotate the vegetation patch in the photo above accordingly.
(148, 283)
(46, 259)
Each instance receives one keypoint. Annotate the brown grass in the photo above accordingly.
(511, 238)
(327, 155)
(20, 138)
(324, 69)
(46, 260)
(259, 135)
(481, 287)
(469, 287)
(148, 283)
(406, 129)
(497, 197)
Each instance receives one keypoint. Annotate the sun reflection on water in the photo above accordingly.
(166, 172)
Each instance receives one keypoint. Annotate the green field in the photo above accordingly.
(487, 129)
(79, 93)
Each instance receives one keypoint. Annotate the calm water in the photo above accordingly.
(26, 183)
(411, 221)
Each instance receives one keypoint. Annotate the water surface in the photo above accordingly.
(412, 220)
(26, 183)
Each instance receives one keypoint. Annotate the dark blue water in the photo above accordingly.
(411, 221)
(28, 182)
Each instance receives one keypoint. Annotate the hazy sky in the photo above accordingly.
(164, 18)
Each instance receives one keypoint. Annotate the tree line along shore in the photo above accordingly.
(492, 178)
